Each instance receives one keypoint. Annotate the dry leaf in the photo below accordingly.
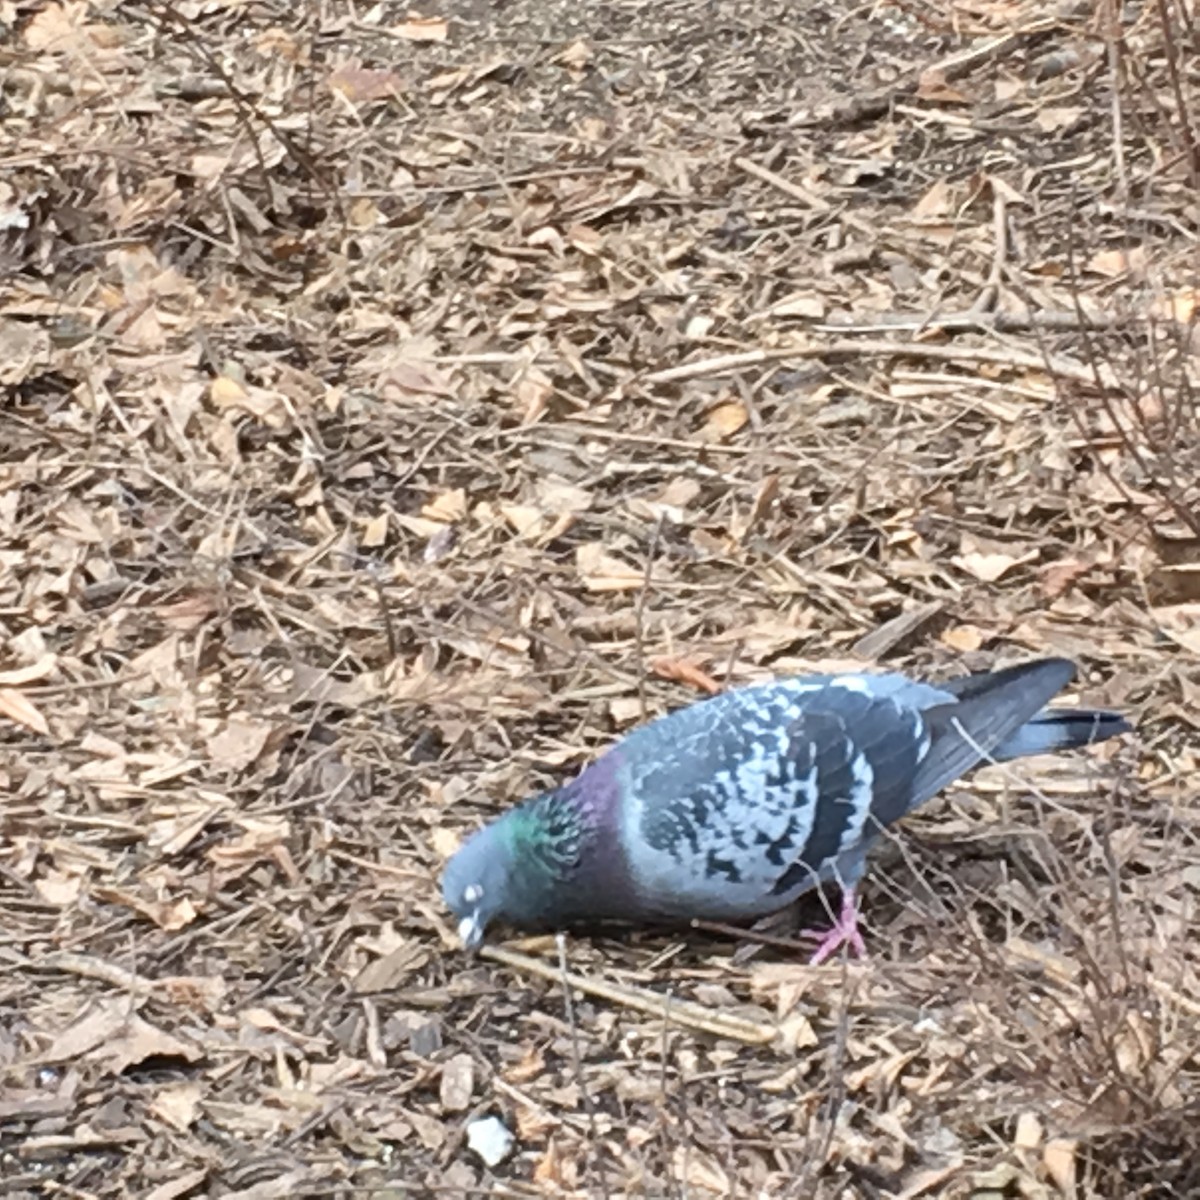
(168, 915)
(384, 974)
(22, 710)
(264, 405)
(682, 671)
(422, 526)
(936, 202)
(445, 842)
(626, 710)
(555, 1171)
(449, 506)
(58, 888)
(1113, 263)
(604, 572)
(363, 84)
(800, 304)
(422, 29)
(1057, 577)
(179, 1185)
(98, 1025)
(178, 1105)
(56, 27)
(724, 421)
(1028, 1135)
(240, 743)
(556, 496)
(1180, 306)
(577, 55)
(1058, 1157)
(932, 86)
(526, 521)
(44, 666)
(404, 378)
(112, 1034)
(989, 567)
(697, 1170)
(1053, 118)
(375, 531)
(963, 638)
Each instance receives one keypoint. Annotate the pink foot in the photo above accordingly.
(843, 933)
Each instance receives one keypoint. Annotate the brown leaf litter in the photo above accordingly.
(399, 405)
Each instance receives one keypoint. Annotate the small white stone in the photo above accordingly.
(490, 1140)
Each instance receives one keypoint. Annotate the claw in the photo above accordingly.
(844, 932)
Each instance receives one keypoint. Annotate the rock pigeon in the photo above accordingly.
(731, 808)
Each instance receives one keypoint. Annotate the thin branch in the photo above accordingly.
(639, 626)
(683, 1013)
(589, 1104)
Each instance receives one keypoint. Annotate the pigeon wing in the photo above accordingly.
(740, 807)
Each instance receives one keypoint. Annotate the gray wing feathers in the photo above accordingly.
(749, 803)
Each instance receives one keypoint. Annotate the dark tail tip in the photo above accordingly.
(1062, 729)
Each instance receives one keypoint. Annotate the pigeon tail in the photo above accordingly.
(1061, 729)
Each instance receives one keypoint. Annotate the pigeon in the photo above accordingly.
(732, 807)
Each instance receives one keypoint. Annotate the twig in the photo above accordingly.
(1167, 992)
(749, 934)
(816, 203)
(991, 290)
(965, 61)
(501, 1085)
(1112, 41)
(680, 1012)
(723, 363)
(639, 652)
(106, 972)
(393, 643)
(1057, 321)
(663, 1059)
(837, 1089)
(1163, 472)
(589, 1105)
(486, 185)
(382, 868)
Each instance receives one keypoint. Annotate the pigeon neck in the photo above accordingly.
(563, 845)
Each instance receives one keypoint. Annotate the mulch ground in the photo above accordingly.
(398, 406)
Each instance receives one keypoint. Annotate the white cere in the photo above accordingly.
(472, 893)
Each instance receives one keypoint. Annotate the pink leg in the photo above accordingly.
(843, 932)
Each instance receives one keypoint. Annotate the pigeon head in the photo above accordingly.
(475, 884)
(517, 868)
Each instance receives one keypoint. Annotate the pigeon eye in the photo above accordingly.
(472, 893)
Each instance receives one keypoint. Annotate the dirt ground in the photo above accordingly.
(399, 404)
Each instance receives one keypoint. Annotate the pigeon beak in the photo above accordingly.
(470, 931)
